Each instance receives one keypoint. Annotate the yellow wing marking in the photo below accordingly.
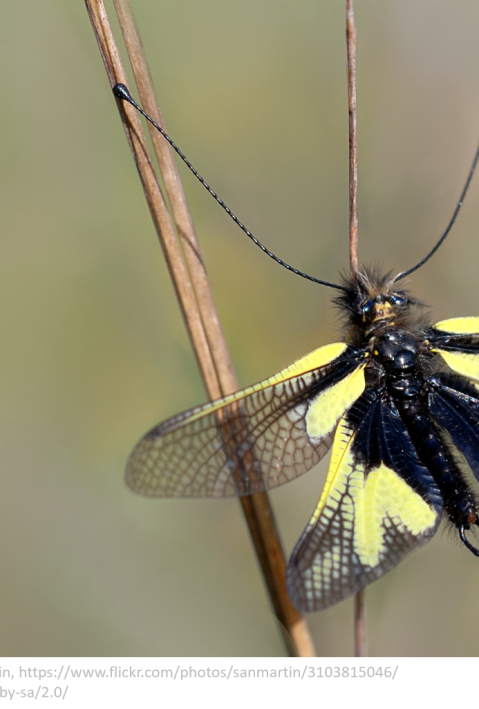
(385, 501)
(341, 468)
(464, 363)
(459, 326)
(256, 439)
(324, 413)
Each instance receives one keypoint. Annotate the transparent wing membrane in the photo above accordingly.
(253, 440)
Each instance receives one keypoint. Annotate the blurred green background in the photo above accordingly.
(94, 350)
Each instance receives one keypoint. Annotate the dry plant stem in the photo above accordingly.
(226, 380)
(360, 647)
(195, 297)
(158, 210)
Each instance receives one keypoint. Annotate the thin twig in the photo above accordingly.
(194, 295)
(353, 145)
(360, 625)
(360, 645)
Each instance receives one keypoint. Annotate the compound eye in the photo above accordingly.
(367, 307)
(397, 300)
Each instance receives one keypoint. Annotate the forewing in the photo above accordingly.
(457, 341)
(453, 402)
(253, 440)
(379, 502)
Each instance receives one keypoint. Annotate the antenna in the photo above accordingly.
(121, 92)
(403, 274)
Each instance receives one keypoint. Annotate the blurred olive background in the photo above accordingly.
(94, 349)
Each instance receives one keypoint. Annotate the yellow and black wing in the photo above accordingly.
(254, 440)
(379, 502)
(457, 341)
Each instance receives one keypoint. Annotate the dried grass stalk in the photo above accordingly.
(193, 291)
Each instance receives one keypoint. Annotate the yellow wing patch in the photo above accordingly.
(463, 363)
(313, 360)
(459, 326)
(256, 439)
(384, 501)
(325, 411)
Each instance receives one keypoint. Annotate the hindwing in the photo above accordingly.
(379, 502)
(254, 440)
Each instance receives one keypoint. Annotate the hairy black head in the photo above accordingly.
(372, 303)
